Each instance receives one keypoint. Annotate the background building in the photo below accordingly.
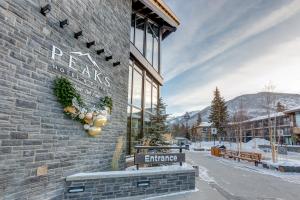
(285, 125)
(202, 132)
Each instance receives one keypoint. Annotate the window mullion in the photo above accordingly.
(152, 56)
(134, 16)
(145, 38)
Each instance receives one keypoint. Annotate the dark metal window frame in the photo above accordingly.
(144, 74)
(159, 36)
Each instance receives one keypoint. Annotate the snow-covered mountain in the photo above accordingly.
(253, 105)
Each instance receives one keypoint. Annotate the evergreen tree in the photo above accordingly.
(188, 135)
(158, 127)
(218, 113)
(182, 130)
(280, 107)
(199, 119)
(175, 129)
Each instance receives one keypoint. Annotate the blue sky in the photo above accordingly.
(238, 45)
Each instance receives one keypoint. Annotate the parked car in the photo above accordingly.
(182, 141)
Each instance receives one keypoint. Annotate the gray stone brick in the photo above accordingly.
(11, 142)
(32, 142)
(5, 149)
(41, 157)
(17, 135)
(25, 104)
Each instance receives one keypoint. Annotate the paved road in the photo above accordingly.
(222, 179)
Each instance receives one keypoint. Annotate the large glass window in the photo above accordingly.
(148, 96)
(128, 142)
(149, 51)
(136, 126)
(152, 45)
(132, 29)
(137, 37)
(147, 123)
(129, 84)
(137, 88)
(141, 105)
(139, 33)
(154, 97)
(155, 54)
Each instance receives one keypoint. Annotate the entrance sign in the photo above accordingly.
(158, 158)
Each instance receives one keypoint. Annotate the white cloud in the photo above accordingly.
(236, 37)
(281, 65)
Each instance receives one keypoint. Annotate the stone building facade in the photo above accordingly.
(34, 131)
(95, 45)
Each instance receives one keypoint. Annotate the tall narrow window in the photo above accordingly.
(132, 28)
(129, 84)
(154, 98)
(128, 129)
(155, 54)
(155, 47)
(137, 88)
(148, 97)
(147, 123)
(149, 50)
(152, 50)
(136, 127)
(139, 33)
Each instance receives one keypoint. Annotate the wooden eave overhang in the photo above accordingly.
(158, 12)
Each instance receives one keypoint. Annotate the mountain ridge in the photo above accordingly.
(253, 104)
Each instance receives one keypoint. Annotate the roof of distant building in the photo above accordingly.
(204, 124)
(273, 115)
(295, 109)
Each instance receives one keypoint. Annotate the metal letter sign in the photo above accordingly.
(158, 158)
(89, 73)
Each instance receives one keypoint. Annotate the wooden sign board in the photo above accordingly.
(158, 158)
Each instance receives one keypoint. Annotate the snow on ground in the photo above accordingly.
(251, 145)
(174, 166)
(292, 159)
(203, 175)
(203, 172)
(244, 165)
(202, 145)
(283, 162)
(172, 194)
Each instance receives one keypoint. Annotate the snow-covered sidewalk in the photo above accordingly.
(292, 159)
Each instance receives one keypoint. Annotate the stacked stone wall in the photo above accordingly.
(34, 131)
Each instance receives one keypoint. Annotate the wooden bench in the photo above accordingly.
(249, 156)
(230, 154)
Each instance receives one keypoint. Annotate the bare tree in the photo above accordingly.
(269, 100)
(239, 117)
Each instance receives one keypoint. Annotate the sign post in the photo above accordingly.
(214, 133)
